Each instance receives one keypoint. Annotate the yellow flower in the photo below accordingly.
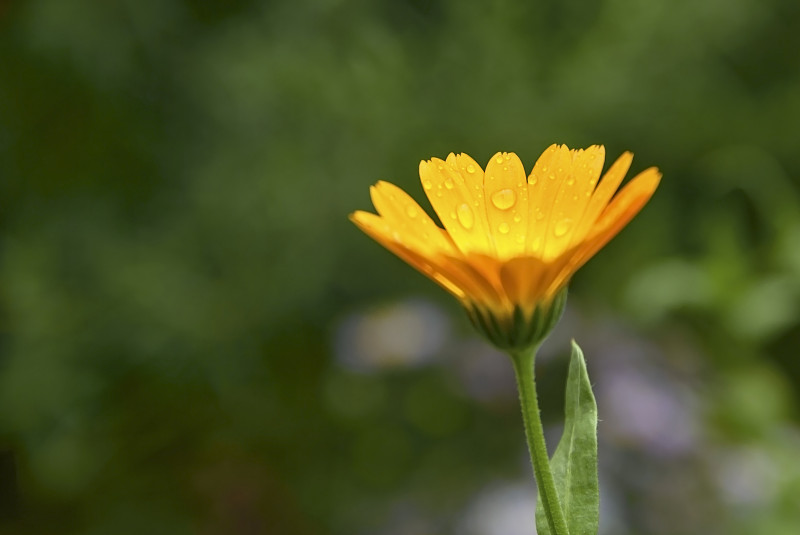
(510, 243)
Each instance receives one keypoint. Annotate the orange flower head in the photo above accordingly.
(510, 243)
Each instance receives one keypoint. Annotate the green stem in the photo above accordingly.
(526, 383)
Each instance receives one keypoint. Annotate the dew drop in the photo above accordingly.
(539, 214)
(517, 218)
(453, 215)
(504, 199)
(448, 183)
(570, 181)
(504, 228)
(427, 184)
(499, 158)
(520, 239)
(411, 212)
(533, 180)
(465, 216)
(537, 243)
(470, 169)
(562, 227)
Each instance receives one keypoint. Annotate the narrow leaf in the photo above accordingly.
(574, 463)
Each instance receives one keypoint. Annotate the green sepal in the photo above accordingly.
(574, 463)
(521, 330)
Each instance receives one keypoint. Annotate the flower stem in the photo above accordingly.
(526, 384)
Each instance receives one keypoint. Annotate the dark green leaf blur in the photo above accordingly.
(195, 340)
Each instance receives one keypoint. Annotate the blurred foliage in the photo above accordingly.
(176, 264)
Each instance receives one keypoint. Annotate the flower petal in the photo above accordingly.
(544, 186)
(459, 206)
(379, 229)
(406, 217)
(599, 200)
(471, 172)
(617, 214)
(506, 189)
(524, 281)
(577, 181)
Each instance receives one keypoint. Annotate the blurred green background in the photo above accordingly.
(194, 339)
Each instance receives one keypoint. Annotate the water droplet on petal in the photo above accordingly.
(539, 214)
(448, 183)
(533, 181)
(504, 199)
(520, 239)
(517, 218)
(570, 181)
(504, 228)
(562, 227)
(411, 211)
(453, 215)
(537, 243)
(470, 169)
(499, 158)
(465, 216)
(427, 184)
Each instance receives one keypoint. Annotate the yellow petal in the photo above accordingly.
(625, 205)
(384, 233)
(471, 172)
(544, 185)
(458, 205)
(407, 218)
(599, 199)
(524, 281)
(576, 182)
(506, 197)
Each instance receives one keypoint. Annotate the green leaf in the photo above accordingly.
(574, 463)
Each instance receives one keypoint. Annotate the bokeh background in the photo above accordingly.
(195, 339)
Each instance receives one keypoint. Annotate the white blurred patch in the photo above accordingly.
(504, 510)
(648, 410)
(746, 477)
(486, 374)
(407, 333)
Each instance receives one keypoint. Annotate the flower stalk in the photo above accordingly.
(523, 370)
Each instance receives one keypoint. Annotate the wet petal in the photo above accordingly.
(576, 182)
(602, 194)
(471, 172)
(434, 267)
(544, 186)
(407, 218)
(625, 205)
(506, 197)
(459, 206)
